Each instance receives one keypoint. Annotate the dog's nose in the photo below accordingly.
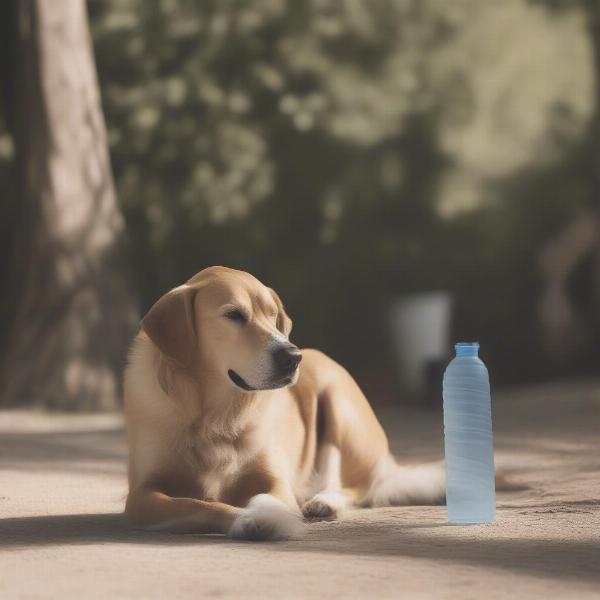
(287, 358)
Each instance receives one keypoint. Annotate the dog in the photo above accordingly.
(232, 429)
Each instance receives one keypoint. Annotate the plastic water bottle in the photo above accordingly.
(469, 445)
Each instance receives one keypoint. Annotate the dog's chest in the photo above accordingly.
(217, 461)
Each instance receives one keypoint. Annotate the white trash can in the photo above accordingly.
(420, 335)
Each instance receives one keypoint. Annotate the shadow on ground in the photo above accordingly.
(573, 559)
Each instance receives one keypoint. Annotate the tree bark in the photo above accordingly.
(66, 298)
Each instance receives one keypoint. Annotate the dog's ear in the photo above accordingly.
(284, 323)
(171, 325)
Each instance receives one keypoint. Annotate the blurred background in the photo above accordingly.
(405, 173)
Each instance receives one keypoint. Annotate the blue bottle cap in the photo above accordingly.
(467, 349)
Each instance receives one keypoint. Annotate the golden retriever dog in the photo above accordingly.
(232, 429)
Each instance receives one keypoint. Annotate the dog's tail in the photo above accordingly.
(400, 485)
(403, 485)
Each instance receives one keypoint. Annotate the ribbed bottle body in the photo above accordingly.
(469, 445)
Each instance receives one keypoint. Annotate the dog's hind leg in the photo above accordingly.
(353, 447)
(351, 443)
(401, 485)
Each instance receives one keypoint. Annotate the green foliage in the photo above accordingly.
(346, 152)
(289, 139)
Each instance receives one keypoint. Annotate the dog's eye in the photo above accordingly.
(237, 316)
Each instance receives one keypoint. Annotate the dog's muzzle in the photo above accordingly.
(285, 360)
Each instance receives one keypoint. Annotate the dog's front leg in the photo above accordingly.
(273, 515)
(151, 509)
(330, 500)
(267, 517)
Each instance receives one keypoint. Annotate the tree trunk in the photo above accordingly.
(67, 295)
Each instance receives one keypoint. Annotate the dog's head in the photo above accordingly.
(226, 323)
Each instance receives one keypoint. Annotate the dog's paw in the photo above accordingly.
(266, 518)
(325, 505)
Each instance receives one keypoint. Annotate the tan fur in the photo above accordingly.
(207, 456)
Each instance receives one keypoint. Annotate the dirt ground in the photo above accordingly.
(62, 488)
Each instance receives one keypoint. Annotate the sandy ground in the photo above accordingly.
(62, 486)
